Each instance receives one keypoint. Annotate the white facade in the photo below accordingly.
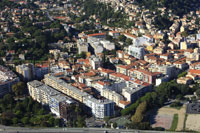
(95, 62)
(137, 52)
(100, 108)
(108, 45)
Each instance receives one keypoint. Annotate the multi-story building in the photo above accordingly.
(135, 90)
(108, 45)
(111, 95)
(95, 62)
(7, 79)
(27, 71)
(56, 100)
(82, 46)
(46, 95)
(66, 110)
(41, 70)
(143, 75)
(41, 92)
(100, 108)
(65, 88)
(137, 52)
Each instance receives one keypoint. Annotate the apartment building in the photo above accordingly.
(27, 71)
(144, 75)
(41, 92)
(65, 88)
(100, 108)
(7, 79)
(56, 100)
(137, 52)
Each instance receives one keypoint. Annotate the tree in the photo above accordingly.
(25, 120)
(19, 88)
(138, 116)
(122, 38)
(114, 124)
(15, 121)
(129, 41)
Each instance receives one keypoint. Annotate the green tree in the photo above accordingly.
(19, 88)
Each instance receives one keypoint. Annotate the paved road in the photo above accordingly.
(5, 129)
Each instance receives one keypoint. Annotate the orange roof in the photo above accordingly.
(103, 83)
(128, 34)
(124, 102)
(194, 71)
(97, 34)
(106, 70)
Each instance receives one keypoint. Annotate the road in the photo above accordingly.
(6, 129)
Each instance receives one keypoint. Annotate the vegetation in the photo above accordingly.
(183, 74)
(174, 122)
(157, 98)
(19, 88)
(104, 12)
(25, 112)
(176, 105)
(178, 7)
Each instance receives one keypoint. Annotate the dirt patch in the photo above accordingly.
(164, 118)
(193, 122)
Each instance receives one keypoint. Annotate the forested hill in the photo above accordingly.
(178, 7)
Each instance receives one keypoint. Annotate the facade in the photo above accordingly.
(100, 108)
(27, 71)
(7, 79)
(82, 46)
(95, 62)
(137, 52)
(41, 92)
(65, 88)
(108, 45)
(55, 101)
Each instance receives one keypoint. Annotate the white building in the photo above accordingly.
(100, 108)
(137, 52)
(108, 45)
(7, 79)
(95, 62)
(82, 46)
(27, 71)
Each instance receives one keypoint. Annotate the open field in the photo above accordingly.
(193, 122)
(165, 115)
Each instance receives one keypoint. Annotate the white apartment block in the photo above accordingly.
(137, 52)
(7, 79)
(100, 108)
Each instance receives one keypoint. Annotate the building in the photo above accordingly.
(135, 90)
(65, 88)
(66, 110)
(27, 71)
(41, 92)
(7, 79)
(56, 101)
(137, 52)
(100, 108)
(82, 46)
(114, 34)
(95, 62)
(41, 70)
(108, 45)
(143, 75)
(46, 95)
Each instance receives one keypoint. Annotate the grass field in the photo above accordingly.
(174, 123)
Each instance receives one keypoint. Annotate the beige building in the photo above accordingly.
(64, 87)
